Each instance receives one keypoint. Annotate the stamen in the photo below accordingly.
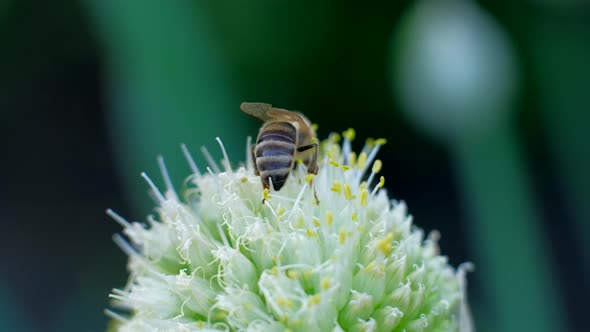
(155, 190)
(210, 160)
(378, 186)
(336, 187)
(352, 159)
(375, 169)
(348, 192)
(190, 160)
(120, 220)
(329, 218)
(364, 197)
(225, 157)
(115, 316)
(167, 181)
(127, 248)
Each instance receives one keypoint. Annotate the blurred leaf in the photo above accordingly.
(167, 85)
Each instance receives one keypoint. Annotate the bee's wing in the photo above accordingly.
(265, 112)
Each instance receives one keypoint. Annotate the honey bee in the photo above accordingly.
(284, 137)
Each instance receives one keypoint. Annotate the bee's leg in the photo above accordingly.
(256, 171)
(312, 165)
(265, 186)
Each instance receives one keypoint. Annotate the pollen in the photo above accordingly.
(344, 168)
(329, 218)
(311, 233)
(355, 216)
(334, 137)
(293, 274)
(384, 245)
(362, 162)
(342, 237)
(316, 222)
(348, 192)
(281, 211)
(364, 197)
(314, 126)
(326, 283)
(352, 159)
(314, 300)
(381, 182)
(309, 178)
(244, 180)
(377, 166)
(333, 163)
(381, 141)
(266, 194)
(336, 187)
(349, 134)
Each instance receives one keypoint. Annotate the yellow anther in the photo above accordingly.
(293, 274)
(344, 168)
(200, 324)
(363, 185)
(244, 180)
(274, 271)
(281, 301)
(384, 245)
(371, 266)
(381, 182)
(336, 187)
(381, 141)
(316, 222)
(369, 142)
(348, 192)
(326, 283)
(314, 126)
(364, 197)
(360, 228)
(377, 166)
(299, 161)
(329, 218)
(281, 211)
(314, 300)
(311, 233)
(362, 160)
(300, 222)
(314, 140)
(341, 236)
(309, 178)
(352, 159)
(333, 163)
(266, 194)
(334, 137)
(349, 134)
(355, 216)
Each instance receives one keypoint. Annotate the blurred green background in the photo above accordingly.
(485, 106)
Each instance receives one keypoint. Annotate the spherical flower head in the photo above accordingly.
(221, 260)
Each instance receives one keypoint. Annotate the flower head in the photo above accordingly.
(219, 259)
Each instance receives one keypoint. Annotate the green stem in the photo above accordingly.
(513, 258)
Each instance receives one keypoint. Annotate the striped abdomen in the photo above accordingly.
(274, 153)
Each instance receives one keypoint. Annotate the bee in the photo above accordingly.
(285, 137)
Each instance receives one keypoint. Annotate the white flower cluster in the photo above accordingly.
(221, 260)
